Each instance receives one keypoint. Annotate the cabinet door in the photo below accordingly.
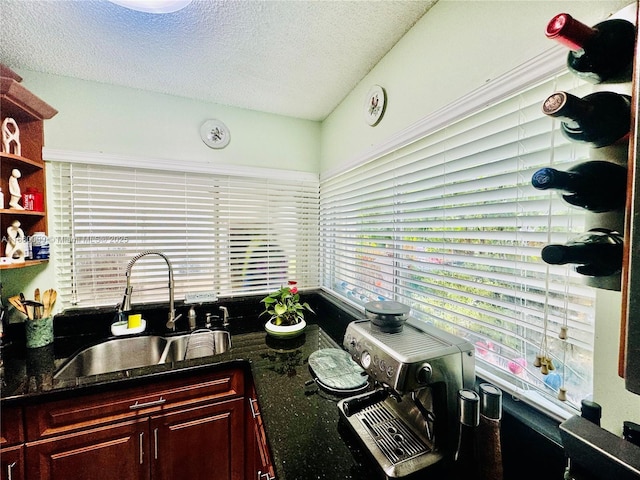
(205, 443)
(262, 466)
(115, 452)
(12, 461)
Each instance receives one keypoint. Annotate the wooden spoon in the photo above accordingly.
(36, 298)
(49, 299)
(46, 299)
(52, 300)
(15, 301)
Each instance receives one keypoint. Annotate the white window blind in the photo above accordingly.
(449, 224)
(227, 234)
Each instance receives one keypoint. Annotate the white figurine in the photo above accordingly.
(9, 137)
(14, 190)
(15, 243)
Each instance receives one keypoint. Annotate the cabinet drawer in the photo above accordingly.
(83, 411)
(12, 431)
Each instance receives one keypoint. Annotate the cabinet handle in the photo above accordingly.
(139, 406)
(141, 439)
(10, 470)
(155, 443)
(254, 411)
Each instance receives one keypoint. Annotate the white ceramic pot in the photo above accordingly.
(285, 331)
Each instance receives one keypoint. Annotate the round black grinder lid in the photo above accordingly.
(387, 308)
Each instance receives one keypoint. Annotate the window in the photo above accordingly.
(448, 223)
(227, 234)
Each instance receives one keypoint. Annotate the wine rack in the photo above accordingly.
(602, 55)
(625, 220)
(629, 358)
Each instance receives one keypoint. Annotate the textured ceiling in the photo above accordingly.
(294, 57)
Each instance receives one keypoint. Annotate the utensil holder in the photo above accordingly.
(39, 332)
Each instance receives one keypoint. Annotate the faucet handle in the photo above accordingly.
(225, 316)
(171, 323)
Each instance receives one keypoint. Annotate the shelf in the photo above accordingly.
(20, 159)
(12, 211)
(29, 113)
(27, 263)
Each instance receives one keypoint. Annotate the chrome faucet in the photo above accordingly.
(126, 301)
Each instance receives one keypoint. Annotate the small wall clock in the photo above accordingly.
(375, 104)
(215, 134)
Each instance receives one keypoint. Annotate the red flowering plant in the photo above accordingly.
(284, 306)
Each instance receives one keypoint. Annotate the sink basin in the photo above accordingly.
(134, 352)
(114, 355)
(200, 343)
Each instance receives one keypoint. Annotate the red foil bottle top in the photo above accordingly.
(569, 31)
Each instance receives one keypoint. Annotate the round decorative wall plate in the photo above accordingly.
(215, 134)
(375, 104)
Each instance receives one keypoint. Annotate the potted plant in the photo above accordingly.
(286, 312)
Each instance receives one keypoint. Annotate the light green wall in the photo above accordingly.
(95, 117)
(454, 49)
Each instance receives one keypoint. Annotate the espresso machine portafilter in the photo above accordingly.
(409, 421)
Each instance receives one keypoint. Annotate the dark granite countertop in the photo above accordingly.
(306, 438)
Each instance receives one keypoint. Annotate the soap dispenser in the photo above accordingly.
(192, 318)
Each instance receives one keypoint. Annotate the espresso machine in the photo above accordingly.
(408, 422)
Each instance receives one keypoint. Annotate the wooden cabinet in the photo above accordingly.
(259, 463)
(191, 427)
(11, 444)
(112, 452)
(11, 427)
(12, 460)
(199, 443)
(29, 113)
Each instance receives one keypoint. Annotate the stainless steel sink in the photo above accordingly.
(197, 344)
(134, 352)
(113, 355)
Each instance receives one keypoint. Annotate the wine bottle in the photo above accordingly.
(599, 54)
(597, 185)
(465, 462)
(489, 444)
(598, 253)
(598, 119)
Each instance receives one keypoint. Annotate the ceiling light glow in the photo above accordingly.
(153, 6)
